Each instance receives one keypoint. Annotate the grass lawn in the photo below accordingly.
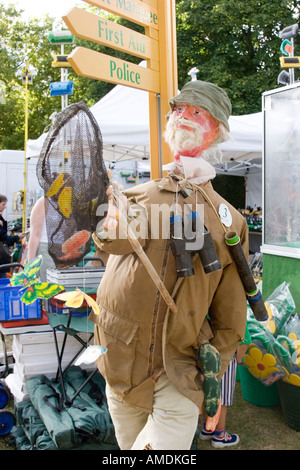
(259, 428)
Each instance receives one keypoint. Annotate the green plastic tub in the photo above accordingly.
(255, 392)
(290, 403)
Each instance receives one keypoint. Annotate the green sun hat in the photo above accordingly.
(206, 95)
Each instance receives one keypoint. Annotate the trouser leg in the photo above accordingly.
(171, 425)
(128, 420)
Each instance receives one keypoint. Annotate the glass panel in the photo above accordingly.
(282, 168)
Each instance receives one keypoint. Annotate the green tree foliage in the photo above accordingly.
(24, 43)
(235, 44)
(28, 40)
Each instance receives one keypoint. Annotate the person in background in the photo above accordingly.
(38, 239)
(6, 239)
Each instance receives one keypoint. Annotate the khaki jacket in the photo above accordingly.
(142, 336)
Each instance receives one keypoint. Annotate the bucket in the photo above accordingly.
(256, 392)
(290, 399)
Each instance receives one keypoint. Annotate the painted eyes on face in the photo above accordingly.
(196, 111)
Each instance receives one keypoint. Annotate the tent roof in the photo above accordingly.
(246, 143)
(123, 117)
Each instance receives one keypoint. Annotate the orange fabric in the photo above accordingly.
(211, 422)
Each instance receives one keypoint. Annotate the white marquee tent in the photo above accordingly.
(123, 117)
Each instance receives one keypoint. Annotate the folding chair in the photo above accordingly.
(72, 326)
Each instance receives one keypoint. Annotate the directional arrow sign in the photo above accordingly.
(108, 33)
(92, 64)
(132, 10)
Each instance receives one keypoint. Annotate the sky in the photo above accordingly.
(55, 8)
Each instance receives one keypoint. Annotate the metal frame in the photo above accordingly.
(59, 375)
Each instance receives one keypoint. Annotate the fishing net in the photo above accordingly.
(72, 173)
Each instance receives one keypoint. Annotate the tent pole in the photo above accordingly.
(159, 132)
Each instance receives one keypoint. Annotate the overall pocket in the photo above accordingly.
(119, 336)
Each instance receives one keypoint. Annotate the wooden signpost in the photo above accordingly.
(157, 46)
(100, 66)
(99, 29)
(138, 11)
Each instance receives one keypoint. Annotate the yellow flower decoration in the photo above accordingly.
(293, 336)
(270, 324)
(260, 365)
(293, 379)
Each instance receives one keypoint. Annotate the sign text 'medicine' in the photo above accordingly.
(137, 11)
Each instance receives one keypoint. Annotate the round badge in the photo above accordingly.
(225, 215)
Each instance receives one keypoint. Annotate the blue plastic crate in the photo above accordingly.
(55, 309)
(59, 307)
(11, 306)
(65, 311)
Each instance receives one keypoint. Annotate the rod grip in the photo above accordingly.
(253, 294)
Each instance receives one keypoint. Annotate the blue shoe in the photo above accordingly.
(222, 440)
(206, 435)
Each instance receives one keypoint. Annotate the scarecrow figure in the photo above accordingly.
(164, 364)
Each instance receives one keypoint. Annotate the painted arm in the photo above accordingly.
(37, 218)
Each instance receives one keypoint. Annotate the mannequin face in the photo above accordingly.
(190, 130)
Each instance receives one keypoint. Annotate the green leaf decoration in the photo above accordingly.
(33, 266)
(28, 274)
(43, 290)
(283, 356)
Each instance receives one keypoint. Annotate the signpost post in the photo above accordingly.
(157, 46)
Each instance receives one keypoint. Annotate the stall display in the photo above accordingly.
(270, 374)
(274, 351)
(256, 265)
(76, 416)
(254, 218)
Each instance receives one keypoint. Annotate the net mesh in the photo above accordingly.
(72, 173)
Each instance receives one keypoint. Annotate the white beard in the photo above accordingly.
(183, 139)
(197, 169)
